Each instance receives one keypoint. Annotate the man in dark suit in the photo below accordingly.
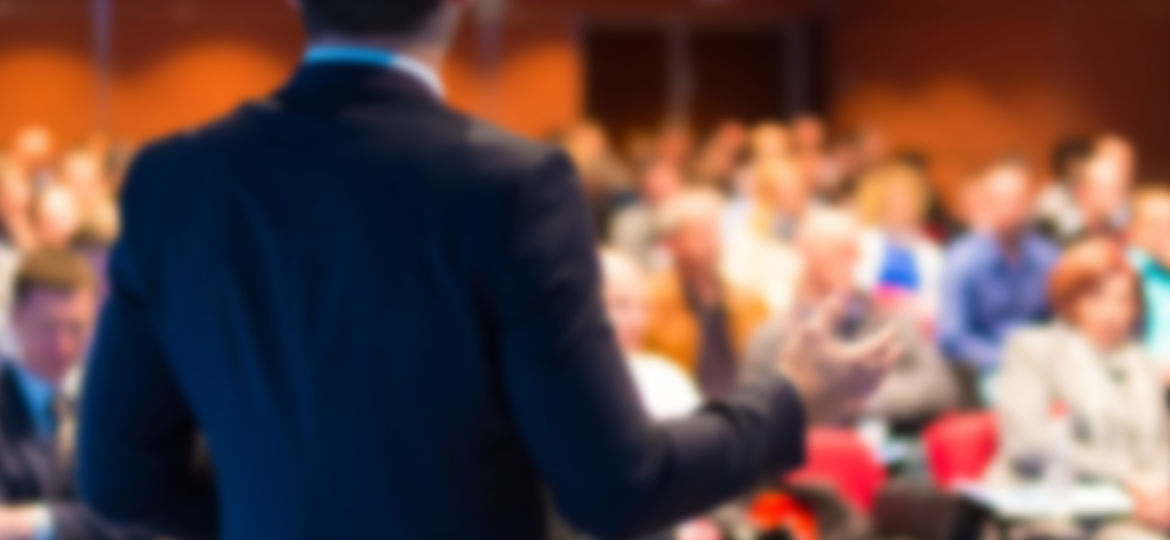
(53, 317)
(385, 318)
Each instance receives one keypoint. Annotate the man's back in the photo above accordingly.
(385, 318)
(321, 286)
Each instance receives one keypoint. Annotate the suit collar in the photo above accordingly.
(332, 85)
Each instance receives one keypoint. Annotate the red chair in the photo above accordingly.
(960, 446)
(838, 457)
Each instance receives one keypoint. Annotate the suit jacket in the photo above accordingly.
(385, 317)
(39, 470)
(674, 329)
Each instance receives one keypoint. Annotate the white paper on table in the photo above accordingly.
(1039, 502)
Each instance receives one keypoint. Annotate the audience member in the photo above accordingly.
(994, 277)
(770, 141)
(899, 263)
(757, 233)
(603, 176)
(33, 154)
(919, 386)
(1101, 196)
(666, 390)
(1150, 254)
(719, 160)
(1080, 396)
(697, 318)
(83, 174)
(1056, 209)
(53, 317)
(16, 195)
(674, 145)
(634, 229)
(56, 217)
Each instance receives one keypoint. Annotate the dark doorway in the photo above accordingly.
(749, 72)
(627, 70)
(739, 74)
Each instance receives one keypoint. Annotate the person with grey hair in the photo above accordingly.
(919, 386)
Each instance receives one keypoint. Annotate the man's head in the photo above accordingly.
(1069, 156)
(770, 141)
(1150, 228)
(1120, 152)
(781, 186)
(625, 298)
(660, 182)
(56, 216)
(1102, 190)
(808, 134)
(430, 21)
(829, 242)
(1007, 198)
(54, 311)
(689, 222)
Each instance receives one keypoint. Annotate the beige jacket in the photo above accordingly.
(1114, 399)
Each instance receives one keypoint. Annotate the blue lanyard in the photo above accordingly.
(352, 55)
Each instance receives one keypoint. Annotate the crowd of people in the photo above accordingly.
(1044, 299)
(1040, 295)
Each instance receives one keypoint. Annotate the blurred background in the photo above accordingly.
(987, 176)
(959, 79)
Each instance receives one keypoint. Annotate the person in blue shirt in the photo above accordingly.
(1150, 255)
(53, 317)
(995, 277)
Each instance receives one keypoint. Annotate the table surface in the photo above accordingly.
(1020, 502)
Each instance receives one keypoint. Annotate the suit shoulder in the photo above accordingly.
(174, 148)
(499, 151)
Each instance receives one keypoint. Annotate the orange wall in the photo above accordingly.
(961, 79)
(45, 70)
(967, 82)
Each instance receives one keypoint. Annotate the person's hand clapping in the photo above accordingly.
(835, 378)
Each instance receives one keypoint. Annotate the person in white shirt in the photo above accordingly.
(665, 389)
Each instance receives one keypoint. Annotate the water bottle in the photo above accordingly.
(1059, 477)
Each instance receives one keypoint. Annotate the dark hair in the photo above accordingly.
(57, 270)
(368, 17)
(1069, 154)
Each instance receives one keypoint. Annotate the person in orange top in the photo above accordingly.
(696, 317)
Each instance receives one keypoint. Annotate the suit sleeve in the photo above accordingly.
(137, 436)
(613, 473)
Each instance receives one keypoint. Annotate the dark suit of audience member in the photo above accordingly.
(35, 465)
(53, 316)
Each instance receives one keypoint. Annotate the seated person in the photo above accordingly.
(994, 277)
(666, 390)
(633, 230)
(696, 317)
(1150, 254)
(1081, 395)
(919, 387)
(899, 262)
(53, 316)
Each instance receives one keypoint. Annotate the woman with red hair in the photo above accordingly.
(1089, 373)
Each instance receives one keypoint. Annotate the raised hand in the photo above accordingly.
(835, 377)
